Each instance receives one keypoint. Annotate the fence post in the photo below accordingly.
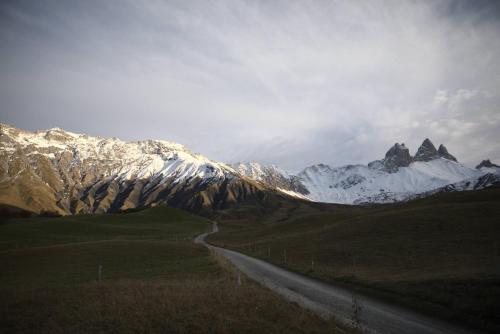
(99, 273)
(356, 312)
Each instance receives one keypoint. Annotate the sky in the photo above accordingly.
(290, 83)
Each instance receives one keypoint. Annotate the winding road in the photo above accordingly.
(348, 307)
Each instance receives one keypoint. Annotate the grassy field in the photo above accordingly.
(153, 279)
(439, 254)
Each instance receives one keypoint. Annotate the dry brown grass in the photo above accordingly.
(195, 306)
(439, 255)
(152, 282)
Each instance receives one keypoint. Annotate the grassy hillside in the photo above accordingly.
(440, 254)
(153, 279)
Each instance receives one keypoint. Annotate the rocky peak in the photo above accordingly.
(443, 153)
(426, 152)
(397, 156)
(58, 134)
(487, 164)
(270, 175)
(394, 150)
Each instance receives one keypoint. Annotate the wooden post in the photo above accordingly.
(239, 278)
(356, 312)
(99, 273)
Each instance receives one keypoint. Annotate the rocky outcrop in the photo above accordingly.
(396, 157)
(443, 153)
(399, 156)
(426, 152)
(487, 164)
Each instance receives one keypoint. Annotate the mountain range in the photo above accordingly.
(67, 173)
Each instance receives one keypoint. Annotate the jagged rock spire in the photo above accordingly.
(443, 153)
(397, 156)
(426, 152)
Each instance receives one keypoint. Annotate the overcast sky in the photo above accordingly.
(291, 83)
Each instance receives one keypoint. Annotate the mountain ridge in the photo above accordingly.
(69, 173)
(397, 177)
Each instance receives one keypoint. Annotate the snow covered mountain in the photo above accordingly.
(68, 173)
(64, 172)
(360, 184)
(272, 176)
(396, 177)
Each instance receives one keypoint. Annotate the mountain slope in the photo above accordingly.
(272, 176)
(68, 173)
(64, 172)
(357, 184)
(438, 254)
(396, 177)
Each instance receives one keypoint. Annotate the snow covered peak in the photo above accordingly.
(396, 177)
(160, 169)
(318, 168)
(59, 134)
(126, 160)
(250, 169)
(256, 171)
(273, 176)
(360, 184)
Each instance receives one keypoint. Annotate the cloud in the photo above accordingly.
(286, 82)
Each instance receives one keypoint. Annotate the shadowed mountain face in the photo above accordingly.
(67, 173)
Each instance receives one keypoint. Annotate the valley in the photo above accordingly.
(249, 167)
(83, 218)
(153, 279)
(438, 255)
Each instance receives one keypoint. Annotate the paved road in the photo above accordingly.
(373, 316)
